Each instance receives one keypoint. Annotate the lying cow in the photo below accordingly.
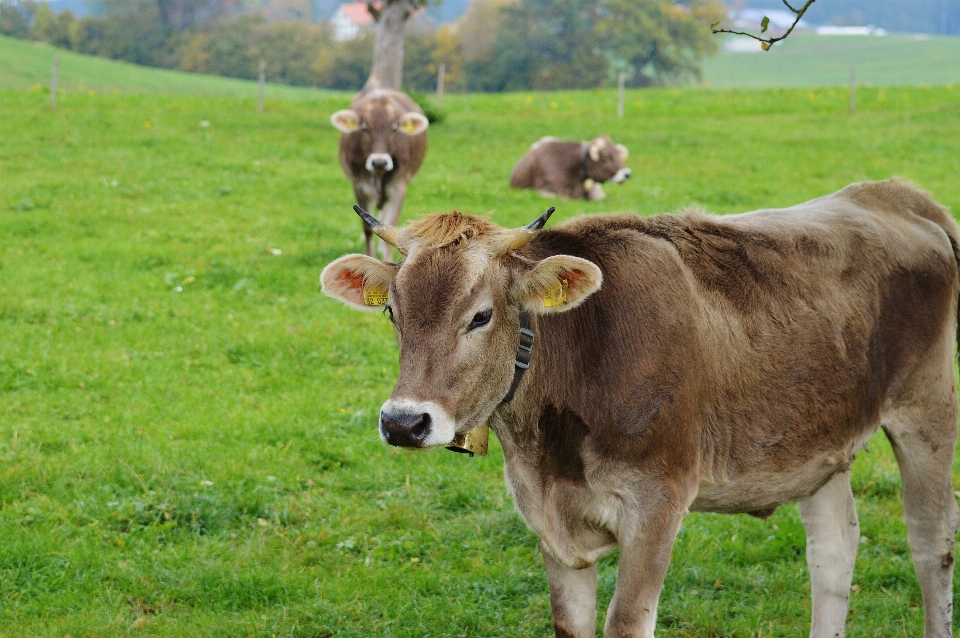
(382, 147)
(574, 170)
(685, 363)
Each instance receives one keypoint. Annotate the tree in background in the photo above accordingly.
(548, 45)
(656, 41)
(497, 45)
(15, 18)
(391, 17)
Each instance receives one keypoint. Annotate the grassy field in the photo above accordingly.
(809, 60)
(187, 428)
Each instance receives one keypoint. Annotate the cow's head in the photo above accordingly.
(455, 302)
(605, 161)
(377, 120)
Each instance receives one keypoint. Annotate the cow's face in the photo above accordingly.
(605, 161)
(455, 302)
(377, 122)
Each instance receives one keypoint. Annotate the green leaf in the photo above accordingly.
(764, 24)
(714, 25)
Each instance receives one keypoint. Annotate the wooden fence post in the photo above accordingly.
(440, 74)
(261, 78)
(853, 91)
(621, 81)
(53, 81)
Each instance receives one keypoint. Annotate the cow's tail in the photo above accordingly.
(956, 259)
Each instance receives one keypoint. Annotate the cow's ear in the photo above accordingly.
(594, 150)
(358, 281)
(558, 283)
(412, 123)
(622, 152)
(346, 121)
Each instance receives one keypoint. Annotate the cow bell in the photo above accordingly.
(473, 442)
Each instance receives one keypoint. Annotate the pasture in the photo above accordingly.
(187, 428)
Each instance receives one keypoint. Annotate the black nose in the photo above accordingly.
(378, 163)
(405, 430)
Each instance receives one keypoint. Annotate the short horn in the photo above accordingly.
(525, 234)
(541, 221)
(389, 234)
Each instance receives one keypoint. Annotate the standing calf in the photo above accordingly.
(382, 146)
(685, 363)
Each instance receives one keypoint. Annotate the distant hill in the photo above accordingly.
(811, 60)
(79, 8)
(900, 16)
(802, 60)
(26, 64)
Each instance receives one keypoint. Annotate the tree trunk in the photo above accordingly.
(388, 46)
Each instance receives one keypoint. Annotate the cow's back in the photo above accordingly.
(550, 165)
(768, 342)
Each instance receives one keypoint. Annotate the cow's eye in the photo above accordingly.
(389, 311)
(480, 319)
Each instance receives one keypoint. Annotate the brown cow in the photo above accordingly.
(382, 147)
(686, 363)
(574, 170)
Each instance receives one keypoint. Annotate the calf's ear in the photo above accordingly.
(412, 123)
(358, 281)
(557, 284)
(346, 121)
(622, 152)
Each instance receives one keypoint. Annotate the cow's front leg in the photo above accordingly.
(644, 557)
(830, 521)
(573, 598)
(362, 192)
(395, 192)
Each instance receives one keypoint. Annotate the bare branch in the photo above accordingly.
(766, 43)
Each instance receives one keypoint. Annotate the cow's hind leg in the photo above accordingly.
(833, 532)
(923, 435)
(573, 598)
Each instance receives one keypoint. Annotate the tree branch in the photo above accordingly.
(766, 43)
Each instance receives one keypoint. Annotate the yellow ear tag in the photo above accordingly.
(556, 295)
(375, 296)
(409, 126)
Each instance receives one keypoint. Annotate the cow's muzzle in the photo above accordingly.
(419, 424)
(407, 430)
(379, 163)
(621, 176)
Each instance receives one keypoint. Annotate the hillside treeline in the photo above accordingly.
(497, 45)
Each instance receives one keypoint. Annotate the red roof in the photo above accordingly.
(358, 13)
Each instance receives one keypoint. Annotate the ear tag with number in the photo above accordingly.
(374, 296)
(557, 294)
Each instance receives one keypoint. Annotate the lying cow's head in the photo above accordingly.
(455, 302)
(605, 161)
(377, 120)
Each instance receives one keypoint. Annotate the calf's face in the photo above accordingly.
(455, 308)
(605, 161)
(377, 121)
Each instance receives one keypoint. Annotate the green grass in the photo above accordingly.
(24, 64)
(187, 427)
(808, 60)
